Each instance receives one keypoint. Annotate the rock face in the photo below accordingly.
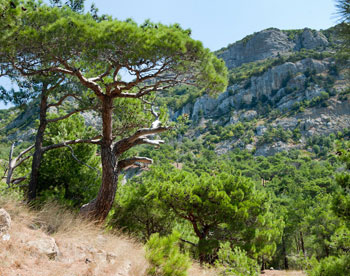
(282, 85)
(300, 94)
(310, 39)
(5, 222)
(46, 246)
(270, 43)
(262, 45)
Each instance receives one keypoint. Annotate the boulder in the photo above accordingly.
(46, 246)
(260, 130)
(5, 222)
(248, 115)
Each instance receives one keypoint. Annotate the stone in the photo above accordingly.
(249, 147)
(46, 246)
(248, 115)
(5, 222)
(260, 130)
(6, 237)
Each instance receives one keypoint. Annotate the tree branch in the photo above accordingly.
(62, 99)
(94, 140)
(79, 161)
(122, 164)
(191, 243)
(89, 83)
(139, 137)
(101, 76)
(13, 162)
(21, 161)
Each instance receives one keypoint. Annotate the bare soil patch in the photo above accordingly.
(282, 273)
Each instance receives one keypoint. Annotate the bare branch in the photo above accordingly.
(122, 164)
(151, 142)
(21, 161)
(14, 163)
(139, 137)
(18, 180)
(25, 151)
(95, 140)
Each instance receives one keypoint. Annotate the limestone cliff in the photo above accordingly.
(271, 43)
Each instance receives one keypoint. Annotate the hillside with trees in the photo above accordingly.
(238, 159)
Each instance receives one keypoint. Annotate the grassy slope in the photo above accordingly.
(83, 246)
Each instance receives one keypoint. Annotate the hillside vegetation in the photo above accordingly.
(171, 173)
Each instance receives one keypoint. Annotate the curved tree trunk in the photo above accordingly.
(99, 208)
(38, 152)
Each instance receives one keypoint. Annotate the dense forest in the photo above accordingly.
(116, 152)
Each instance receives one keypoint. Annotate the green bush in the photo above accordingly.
(164, 256)
(236, 262)
(332, 266)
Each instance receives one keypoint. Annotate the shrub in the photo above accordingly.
(332, 266)
(236, 262)
(165, 257)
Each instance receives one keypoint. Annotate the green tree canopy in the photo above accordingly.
(60, 41)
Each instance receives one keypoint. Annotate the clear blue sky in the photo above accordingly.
(218, 23)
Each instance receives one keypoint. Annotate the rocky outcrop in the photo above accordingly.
(271, 149)
(270, 43)
(282, 86)
(5, 224)
(310, 39)
(46, 246)
(25, 118)
(265, 44)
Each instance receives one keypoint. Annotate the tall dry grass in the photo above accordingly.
(86, 249)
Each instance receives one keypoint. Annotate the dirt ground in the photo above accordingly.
(282, 273)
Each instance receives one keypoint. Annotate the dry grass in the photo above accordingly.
(85, 249)
(196, 270)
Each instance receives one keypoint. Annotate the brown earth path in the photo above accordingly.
(282, 273)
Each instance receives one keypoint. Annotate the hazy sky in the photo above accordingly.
(218, 23)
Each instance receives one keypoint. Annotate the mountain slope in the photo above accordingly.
(292, 82)
(285, 80)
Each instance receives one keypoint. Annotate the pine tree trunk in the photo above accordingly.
(99, 208)
(202, 254)
(302, 243)
(38, 153)
(284, 252)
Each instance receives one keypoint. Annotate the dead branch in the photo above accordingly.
(122, 164)
(95, 140)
